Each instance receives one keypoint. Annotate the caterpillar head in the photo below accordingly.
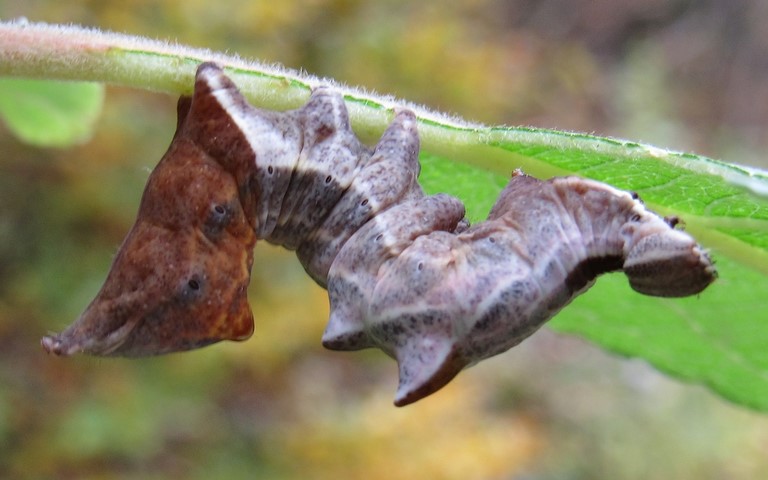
(667, 262)
(179, 280)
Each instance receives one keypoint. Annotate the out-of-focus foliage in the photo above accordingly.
(50, 114)
(688, 75)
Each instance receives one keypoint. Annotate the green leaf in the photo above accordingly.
(50, 114)
(719, 338)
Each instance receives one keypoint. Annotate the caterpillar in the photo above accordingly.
(405, 272)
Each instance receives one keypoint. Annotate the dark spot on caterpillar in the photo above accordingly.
(323, 132)
(673, 221)
(636, 217)
(328, 179)
(587, 270)
(392, 329)
(218, 219)
(270, 170)
(191, 290)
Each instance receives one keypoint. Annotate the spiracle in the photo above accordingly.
(405, 272)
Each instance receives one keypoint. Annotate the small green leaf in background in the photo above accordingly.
(50, 114)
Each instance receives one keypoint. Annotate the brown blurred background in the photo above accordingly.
(688, 75)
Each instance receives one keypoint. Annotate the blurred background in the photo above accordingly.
(689, 75)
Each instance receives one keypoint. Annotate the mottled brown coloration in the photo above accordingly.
(180, 278)
(404, 271)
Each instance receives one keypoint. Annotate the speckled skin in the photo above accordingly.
(403, 270)
(449, 300)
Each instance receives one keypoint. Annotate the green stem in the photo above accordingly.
(74, 53)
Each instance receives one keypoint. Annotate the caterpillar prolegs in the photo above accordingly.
(404, 271)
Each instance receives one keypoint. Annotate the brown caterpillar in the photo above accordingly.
(404, 271)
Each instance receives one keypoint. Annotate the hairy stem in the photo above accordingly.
(59, 52)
